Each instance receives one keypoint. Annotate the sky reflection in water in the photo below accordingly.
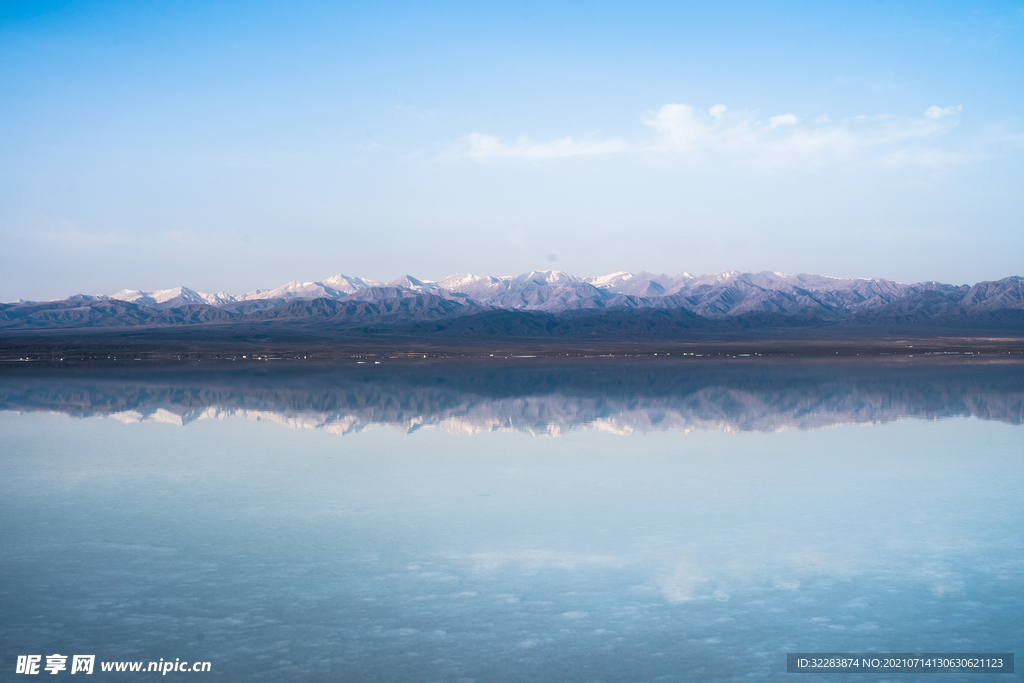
(652, 553)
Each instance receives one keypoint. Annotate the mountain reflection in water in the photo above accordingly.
(539, 397)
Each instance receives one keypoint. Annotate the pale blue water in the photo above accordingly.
(642, 543)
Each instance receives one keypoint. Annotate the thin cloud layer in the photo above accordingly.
(934, 112)
(741, 136)
(682, 128)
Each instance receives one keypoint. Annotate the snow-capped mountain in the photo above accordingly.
(763, 298)
(728, 293)
(169, 298)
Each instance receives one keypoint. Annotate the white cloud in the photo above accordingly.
(783, 120)
(718, 110)
(682, 126)
(785, 139)
(935, 112)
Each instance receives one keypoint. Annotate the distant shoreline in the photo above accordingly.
(230, 343)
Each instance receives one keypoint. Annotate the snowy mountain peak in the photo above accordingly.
(291, 290)
(549, 277)
(176, 294)
(455, 282)
(605, 281)
(409, 282)
(349, 284)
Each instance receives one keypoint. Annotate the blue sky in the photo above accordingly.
(229, 146)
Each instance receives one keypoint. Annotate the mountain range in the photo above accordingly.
(549, 303)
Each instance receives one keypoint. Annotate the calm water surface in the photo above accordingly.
(530, 523)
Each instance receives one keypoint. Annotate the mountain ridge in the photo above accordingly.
(550, 303)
